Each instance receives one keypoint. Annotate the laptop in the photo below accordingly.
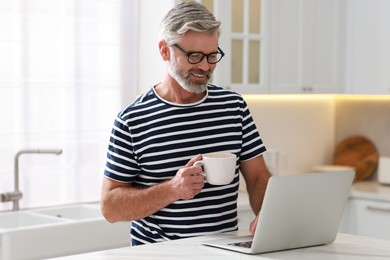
(298, 211)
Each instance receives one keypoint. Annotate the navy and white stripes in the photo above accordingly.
(152, 138)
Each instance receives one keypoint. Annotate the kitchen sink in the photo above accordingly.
(75, 212)
(20, 219)
(59, 231)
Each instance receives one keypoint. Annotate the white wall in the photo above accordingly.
(301, 128)
(150, 65)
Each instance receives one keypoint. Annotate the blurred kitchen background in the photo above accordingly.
(312, 71)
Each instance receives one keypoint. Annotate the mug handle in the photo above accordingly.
(200, 163)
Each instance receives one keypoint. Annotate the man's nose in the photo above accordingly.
(203, 65)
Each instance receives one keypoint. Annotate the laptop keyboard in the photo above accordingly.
(247, 244)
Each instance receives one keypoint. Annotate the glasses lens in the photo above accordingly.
(214, 57)
(195, 57)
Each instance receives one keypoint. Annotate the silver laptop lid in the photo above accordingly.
(301, 210)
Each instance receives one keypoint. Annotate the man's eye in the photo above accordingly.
(196, 56)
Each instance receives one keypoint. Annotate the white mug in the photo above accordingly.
(218, 168)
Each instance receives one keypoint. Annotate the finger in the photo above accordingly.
(193, 160)
(198, 188)
(195, 171)
(198, 178)
(252, 227)
(198, 185)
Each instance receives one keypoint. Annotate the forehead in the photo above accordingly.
(199, 41)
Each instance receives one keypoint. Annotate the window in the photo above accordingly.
(64, 67)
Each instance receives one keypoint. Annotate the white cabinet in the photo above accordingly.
(345, 224)
(367, 218)
(300, 46)
(368, 47)
(306, 46)
(296, 48)
(244, 40)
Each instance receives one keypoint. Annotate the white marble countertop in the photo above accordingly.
(370, 190)
(345, 247)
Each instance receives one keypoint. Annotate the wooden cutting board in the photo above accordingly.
(358, 152)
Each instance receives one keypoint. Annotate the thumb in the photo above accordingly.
(193, 160)
(252, 226)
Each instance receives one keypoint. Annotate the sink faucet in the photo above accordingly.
(16, 195)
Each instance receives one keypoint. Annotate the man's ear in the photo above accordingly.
(164, 50)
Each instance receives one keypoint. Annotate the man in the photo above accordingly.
(150, 176)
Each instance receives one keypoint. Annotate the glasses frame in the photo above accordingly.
(188, 54)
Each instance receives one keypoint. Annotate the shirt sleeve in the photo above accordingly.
(252, 144)
(121, 162)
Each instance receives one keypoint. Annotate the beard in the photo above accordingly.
(184, 81)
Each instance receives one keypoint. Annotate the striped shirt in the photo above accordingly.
(152, 139)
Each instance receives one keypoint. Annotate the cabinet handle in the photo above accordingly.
(378, 209)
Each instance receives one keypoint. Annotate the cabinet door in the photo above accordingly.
(244, 42)
(368, 45)
(305, 46)
(370, 218)
(346, 225)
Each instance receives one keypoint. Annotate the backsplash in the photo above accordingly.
(365, 116)
(307, 128)
(299, 127)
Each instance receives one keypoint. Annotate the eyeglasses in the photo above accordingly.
(197, 56)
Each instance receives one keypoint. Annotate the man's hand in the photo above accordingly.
(188, 182)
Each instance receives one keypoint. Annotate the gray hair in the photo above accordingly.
(184, 17)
